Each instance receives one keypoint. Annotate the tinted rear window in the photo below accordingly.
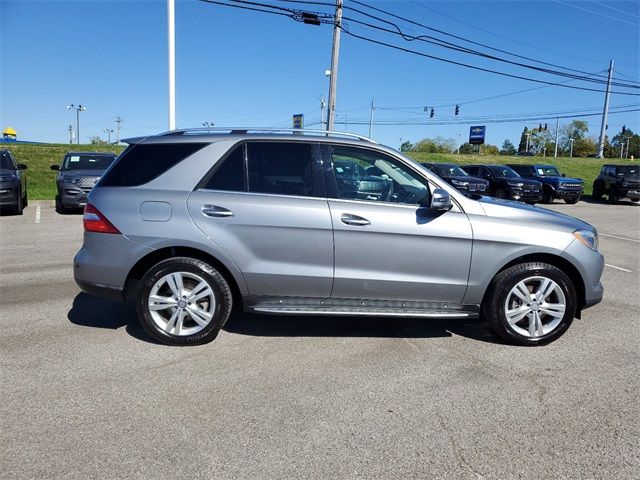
(140, 164)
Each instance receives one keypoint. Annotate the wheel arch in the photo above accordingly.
(557, 261)
(145, 263)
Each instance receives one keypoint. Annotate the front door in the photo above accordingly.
(387, 245)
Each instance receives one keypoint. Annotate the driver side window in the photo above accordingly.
(360, 174)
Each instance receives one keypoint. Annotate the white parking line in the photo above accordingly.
(618, 268)
(38, 213)
(619, 238)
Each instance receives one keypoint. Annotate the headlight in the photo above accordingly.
(515, 184)
(587, 238)
(459, 183)
(8, 178)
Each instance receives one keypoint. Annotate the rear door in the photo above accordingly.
(388, 247)
(264, 205)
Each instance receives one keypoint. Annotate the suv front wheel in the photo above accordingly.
(530, 303)
(183, 301)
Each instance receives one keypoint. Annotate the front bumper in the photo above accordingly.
(525, 195)
(9, 193)
(590, 265)
(632, 193)
(570, 194)
(72, 196)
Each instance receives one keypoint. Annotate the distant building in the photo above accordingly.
(9, 135)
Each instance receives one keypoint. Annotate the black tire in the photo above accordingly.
(635, 199)
(26, 197)
(547, 196)
(530, 202)
(185, 265)
(597, 191)
(500, 194)
(572, 201)
(59, 208)
(613, 196)
(20, 205)
(493, 306)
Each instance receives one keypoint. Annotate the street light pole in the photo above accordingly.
(458, 143)
(571, 140)
(373, 107)
(171, 27)
(108, 131)
(78, 109)
(335, 54)
(555, 149)
(527, 147)
(603, 128)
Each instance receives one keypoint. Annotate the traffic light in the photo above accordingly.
(432, 112)
(457, 109)
(545, 127)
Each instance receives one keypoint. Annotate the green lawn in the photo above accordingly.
(41, 183)
(585, 168)
(41, 179)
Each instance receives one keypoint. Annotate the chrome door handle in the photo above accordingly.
(216, 211)
(351, 219)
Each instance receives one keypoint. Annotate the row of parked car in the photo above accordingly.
(530, 183)
(537, 183)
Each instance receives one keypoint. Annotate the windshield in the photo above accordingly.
(87, 162)
(627, 170)
(503, 172)
(548, 172)
(445, 170)
(5, 162)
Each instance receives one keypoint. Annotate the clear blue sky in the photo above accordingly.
(236, 67)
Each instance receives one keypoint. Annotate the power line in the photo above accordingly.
(597, 13)
(614, 8)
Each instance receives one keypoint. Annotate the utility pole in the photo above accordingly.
(171, 26)
(108, 131)
(458, 143)
(335, 53)
(118, 122)
(555, 148)
(527, 148)
(603, 128)
(323, 104)
(71, 135)
(571, 140)
(626, 150)
(373, 107)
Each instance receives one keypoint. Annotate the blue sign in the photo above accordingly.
(476, 134)
(298, 121)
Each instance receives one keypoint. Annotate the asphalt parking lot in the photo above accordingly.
(85, 394)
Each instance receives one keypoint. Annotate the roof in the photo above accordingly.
(9, 131)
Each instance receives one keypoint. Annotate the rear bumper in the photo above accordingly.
(103, 291)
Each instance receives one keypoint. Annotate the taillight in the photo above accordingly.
(95, 221)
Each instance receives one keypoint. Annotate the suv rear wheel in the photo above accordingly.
(183, 301)
(530, 303)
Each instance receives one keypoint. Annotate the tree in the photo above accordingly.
(508, 148)
(576, 130)
(489, 149)
(620, 141)
(435, 145)
(96, 140)
(467, 148)
(406, 146)
(522, 147)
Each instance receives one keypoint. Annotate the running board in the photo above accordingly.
(360, 313)
(357, 307)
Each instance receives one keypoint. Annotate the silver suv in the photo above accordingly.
(192, 223)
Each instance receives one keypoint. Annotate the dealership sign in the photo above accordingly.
(476, 135)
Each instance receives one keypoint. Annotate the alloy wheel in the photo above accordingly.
(181, 303)
(535, 307)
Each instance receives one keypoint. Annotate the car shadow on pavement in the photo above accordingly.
(89, 311)
(605, 201)
(96, 312)
(372, 327)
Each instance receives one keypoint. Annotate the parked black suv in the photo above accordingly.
(456, 176)
(78, 174)
(554, 185)
(13, 183)
(618, 182)
(504, 182)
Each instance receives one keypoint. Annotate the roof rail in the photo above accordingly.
(243, 130)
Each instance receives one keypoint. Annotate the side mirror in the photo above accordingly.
(55, 167)
(22, 166)
(563, 175)
(440, 200)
